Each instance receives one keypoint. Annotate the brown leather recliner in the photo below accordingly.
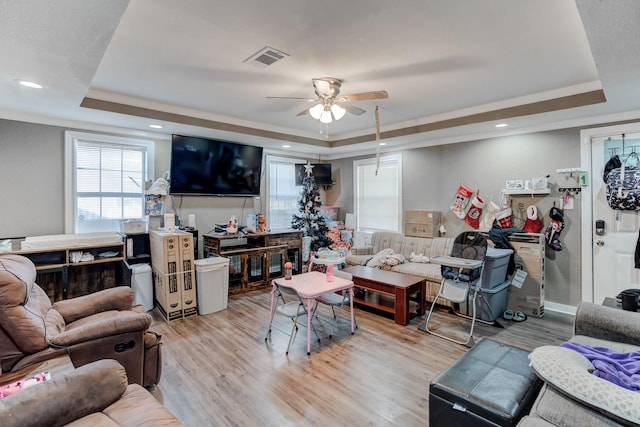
(102, 325)
(95, 394)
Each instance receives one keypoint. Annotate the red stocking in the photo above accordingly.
(473, 215)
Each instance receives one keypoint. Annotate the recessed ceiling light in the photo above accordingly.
(383, 143)
(155, 126)
(502, 125)
(32, 85)
(286, 146)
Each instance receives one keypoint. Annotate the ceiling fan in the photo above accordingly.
(330, 105)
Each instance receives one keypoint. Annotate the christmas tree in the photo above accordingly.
(309, 220)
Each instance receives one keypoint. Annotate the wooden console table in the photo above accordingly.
(255, 258)
(59, 260)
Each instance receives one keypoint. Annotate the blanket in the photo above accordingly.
(622, 369)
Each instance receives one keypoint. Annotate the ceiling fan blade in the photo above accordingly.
(304, 112)
(365, 96)
(352, 108)
(290, 97)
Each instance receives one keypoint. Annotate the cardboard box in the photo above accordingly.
(531, 305)
(187, 276)
(421, 223)
(172, 256)
(167, 294)
(165, 250)
(529, 257)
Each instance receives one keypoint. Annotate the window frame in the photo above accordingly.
(71, 138)
(277, 159)
(395, 158)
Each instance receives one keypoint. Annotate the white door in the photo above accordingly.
(614, 250)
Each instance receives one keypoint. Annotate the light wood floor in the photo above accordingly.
(218, 370)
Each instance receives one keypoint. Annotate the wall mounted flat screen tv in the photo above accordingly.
(321, 173)
(209, 167)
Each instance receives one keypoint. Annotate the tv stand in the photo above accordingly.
(255, 258)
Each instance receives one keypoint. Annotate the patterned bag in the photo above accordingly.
(623, 186)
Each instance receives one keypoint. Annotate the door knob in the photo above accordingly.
(600, 242)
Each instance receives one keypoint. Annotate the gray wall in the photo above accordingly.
(31, 179)
(32, 183)
(431, 177)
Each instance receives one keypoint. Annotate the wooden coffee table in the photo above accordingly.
(390, 292)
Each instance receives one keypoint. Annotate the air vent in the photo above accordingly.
(266, 56)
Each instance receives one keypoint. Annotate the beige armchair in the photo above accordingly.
(102, 325)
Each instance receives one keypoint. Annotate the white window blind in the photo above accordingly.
(105, 181)
(378, 198)
(283, 192)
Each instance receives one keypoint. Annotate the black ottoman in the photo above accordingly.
(491, 385)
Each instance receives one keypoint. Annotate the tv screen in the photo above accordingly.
(321, 173)
(208, 167)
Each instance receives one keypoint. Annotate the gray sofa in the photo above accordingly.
(404, 245)
(572, 395)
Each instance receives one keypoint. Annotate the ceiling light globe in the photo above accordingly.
(326, 116)
(338, 111)
(316, 111)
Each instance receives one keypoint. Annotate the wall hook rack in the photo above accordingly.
(574, 190)
(569, 171)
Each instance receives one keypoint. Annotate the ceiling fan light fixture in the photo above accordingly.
(325, 117)
(338, 111)
(316, 111)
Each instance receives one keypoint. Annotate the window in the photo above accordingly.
(283, 192)
(378, 198)
(104, 180)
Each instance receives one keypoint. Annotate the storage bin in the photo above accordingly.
(142, 285)
(490, 303)
(496, 263)
(212, 275)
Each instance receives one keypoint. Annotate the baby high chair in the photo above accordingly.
(461, 273)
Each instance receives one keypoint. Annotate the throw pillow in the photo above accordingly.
(571, 373)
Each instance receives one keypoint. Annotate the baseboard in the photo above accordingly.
(559, 308)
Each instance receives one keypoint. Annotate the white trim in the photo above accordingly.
(586, 233)
(70, 138)
(559, 308)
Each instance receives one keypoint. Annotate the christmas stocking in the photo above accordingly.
(552, 233)
(532, 224)
(504, 218)
(459, 206)
(490, 215)
(473, 215)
